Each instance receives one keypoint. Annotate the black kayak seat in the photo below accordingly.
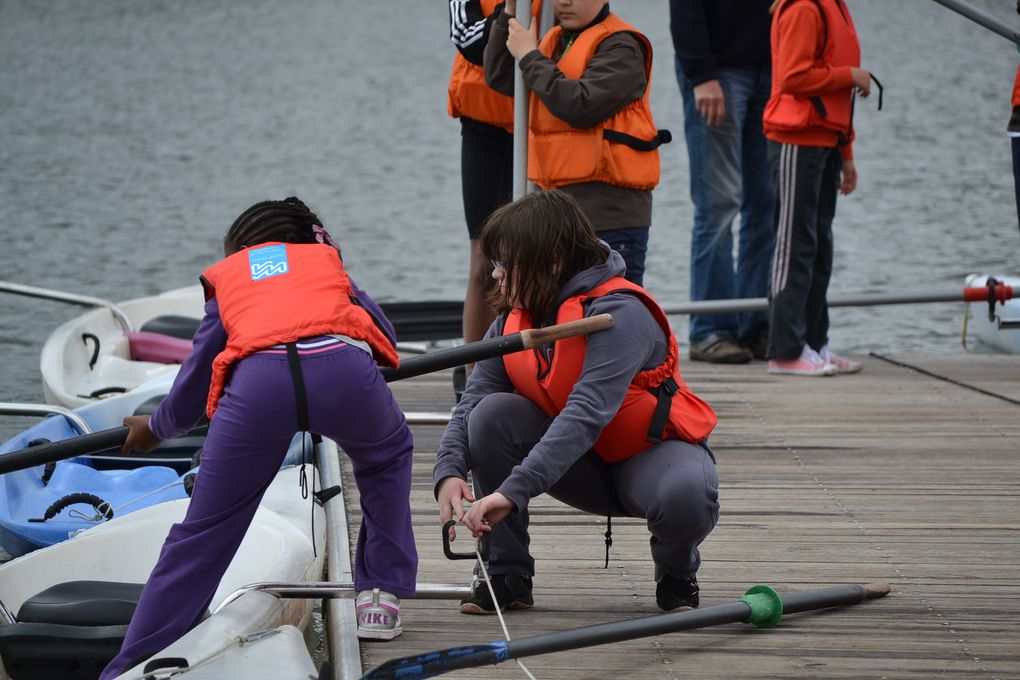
(83, 603)
(69, 631)
(183, 327)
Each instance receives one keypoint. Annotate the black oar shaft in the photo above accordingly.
(761, 605)
(434, 361)
(103, 440)
(619, 631)
(453, 356)
(495, 347)
(738, 612)
(835, 596)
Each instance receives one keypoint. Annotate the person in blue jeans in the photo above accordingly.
(723, 67)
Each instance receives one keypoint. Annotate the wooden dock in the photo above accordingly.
(895, 474)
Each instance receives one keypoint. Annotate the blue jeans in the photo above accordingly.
(632, 244)
(729, 172)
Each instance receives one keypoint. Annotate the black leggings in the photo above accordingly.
(486, 169)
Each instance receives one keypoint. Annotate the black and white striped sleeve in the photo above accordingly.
(469, 29)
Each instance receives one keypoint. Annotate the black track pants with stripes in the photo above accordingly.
(807, 181)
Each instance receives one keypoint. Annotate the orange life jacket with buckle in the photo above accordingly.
(787, 112)
(658, 404)
(621, 150)
(277, 293)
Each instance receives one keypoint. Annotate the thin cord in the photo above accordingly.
(499, 612)
(78, 514)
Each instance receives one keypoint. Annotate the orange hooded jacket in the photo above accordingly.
(814, 47)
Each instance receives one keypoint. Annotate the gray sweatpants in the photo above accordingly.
(673, 485)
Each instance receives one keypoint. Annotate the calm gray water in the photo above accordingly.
(132, 133)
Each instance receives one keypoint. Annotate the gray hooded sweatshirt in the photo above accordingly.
(613, 357)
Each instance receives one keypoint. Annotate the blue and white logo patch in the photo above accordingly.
(267, 261)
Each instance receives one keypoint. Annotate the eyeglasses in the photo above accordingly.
(498, 264)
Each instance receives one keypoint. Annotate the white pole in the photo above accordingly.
(520, 186)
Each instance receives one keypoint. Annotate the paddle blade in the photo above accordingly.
(443, 661)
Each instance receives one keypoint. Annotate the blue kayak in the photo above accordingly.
(47, 504)
(50, 503)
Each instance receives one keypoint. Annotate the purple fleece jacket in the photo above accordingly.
(613, 358)
(184, 406)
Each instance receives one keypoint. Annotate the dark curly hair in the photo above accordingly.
(288, 221)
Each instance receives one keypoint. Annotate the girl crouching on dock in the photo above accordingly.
(603, 423)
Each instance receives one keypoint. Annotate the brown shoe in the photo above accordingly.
(719, 349)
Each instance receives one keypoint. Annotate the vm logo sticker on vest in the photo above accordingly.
(268, 261)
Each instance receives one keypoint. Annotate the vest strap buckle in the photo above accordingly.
(664, 393)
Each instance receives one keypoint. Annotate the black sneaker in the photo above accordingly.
(518, 589)
(757, 345)
(513, 591)
(676, 594)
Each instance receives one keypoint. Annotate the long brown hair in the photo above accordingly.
(542, 240)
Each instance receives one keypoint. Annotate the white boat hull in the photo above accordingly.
(995, 333)
(64, 362)
(277, 547)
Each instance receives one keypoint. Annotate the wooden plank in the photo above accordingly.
(886, 475)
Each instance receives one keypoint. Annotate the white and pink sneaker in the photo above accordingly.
(378, 615)
(809, 363)
(842, 364)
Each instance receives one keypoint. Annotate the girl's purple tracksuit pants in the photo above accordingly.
(349, 402)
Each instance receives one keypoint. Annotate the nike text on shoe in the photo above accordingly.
(378, 615)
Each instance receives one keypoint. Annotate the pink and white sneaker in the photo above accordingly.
(809, 363)
(378, 615)
(842, 364)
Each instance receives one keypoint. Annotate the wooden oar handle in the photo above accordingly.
(533, 337)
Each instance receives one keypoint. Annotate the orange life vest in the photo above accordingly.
(1016, 88)
(281, 292)
(560, 154)
(637, 425)
(787, 112)
(469, 95)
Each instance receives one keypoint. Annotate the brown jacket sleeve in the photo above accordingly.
(615, 76)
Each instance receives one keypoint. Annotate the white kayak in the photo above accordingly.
(93, 355)
(72, 601)
(1002, 331)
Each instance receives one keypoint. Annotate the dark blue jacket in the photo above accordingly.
(713, 34)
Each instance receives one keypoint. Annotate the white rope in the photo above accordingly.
(77, 514)
(499, 612)
(154, 491)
